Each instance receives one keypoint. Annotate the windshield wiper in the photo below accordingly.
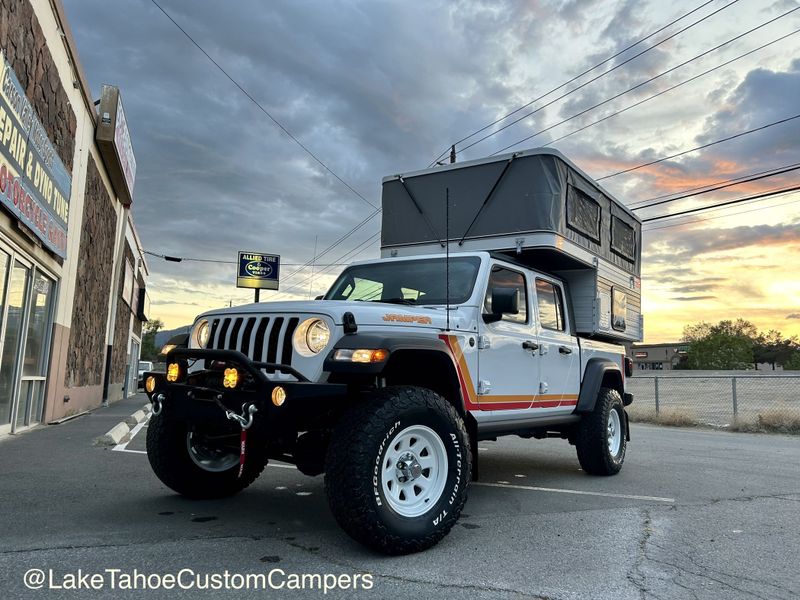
(406, 301)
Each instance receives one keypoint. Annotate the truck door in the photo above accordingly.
(559, 354)
(508, 372)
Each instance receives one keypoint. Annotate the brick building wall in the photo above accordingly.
(23, 42)
(87, 339)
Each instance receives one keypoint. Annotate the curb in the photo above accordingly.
(115, 435)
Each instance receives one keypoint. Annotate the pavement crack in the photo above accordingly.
(634, 574)
(467, 587)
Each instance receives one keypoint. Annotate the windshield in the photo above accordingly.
(408, 281)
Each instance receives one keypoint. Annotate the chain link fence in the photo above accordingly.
(738, 400)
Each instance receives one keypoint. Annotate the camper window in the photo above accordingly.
(551, 305)
(619, 306)
(623, 239)
(583, 214)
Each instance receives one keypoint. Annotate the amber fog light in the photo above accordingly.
(230, 378)
(173, 372)
(278, 395)
(150, 384)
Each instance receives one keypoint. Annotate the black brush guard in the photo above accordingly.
(193, 400)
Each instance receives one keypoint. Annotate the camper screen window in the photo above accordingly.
(623, 239)
(583, 214)
(619, 306)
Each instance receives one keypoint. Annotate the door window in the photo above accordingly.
(15, 303)
(551, 305)
(502, 277)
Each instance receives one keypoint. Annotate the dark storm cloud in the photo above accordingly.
(367, 86)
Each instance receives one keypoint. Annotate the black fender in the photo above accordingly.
(428, 355)
(393, 344)
(597, 371)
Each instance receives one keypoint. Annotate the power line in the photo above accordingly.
(741, 212)
(709, 144)
(669, 89)
(721, 204)
(662, 74)
(603, 74)
(566, 83)
(358, 249)
(261, 108)
(633, 206)
(717, 188)
(212, 260)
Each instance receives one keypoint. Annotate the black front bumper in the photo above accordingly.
(200, 398)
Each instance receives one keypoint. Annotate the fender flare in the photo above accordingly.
(397, 345)
(593, 375)
(392, 343)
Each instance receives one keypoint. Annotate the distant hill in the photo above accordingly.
(163, 336)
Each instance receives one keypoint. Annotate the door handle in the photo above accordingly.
(565, 350)
(529, 345)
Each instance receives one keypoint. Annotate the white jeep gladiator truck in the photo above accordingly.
(504, 290)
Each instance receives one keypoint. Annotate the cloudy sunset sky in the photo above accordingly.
(380, 87)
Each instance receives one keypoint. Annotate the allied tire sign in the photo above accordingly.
(258, 271)
(34, 184)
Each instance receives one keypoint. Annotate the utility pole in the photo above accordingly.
(452, 154)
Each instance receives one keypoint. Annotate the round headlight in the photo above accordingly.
(317, 336)
(201, 333)
(311, 336)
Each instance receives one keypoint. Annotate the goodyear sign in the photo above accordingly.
(34, 184)
(258, 271)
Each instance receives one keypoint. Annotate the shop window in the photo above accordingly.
(127, 284)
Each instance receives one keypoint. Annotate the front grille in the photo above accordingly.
(262, 339)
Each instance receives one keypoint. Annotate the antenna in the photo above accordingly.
(447, 253)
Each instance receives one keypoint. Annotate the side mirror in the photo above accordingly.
(320, 297)
(505, 301)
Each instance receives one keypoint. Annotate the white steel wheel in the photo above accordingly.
(614, 432)
(414, 471)
(208, 458)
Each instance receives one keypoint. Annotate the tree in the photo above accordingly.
(773, 348)
(725, 345)
(149, 349)
(793, 363)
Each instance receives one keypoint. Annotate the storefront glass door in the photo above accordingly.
(27, 296)
(34, 360)
(14, 314)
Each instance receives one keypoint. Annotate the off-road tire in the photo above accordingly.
(169, 457)
(591, 440)
(359, 446)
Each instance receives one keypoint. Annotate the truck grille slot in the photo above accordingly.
(262, 339)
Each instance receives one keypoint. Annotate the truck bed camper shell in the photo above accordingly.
(537, 207)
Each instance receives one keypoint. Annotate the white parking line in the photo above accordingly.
(532, 488)
(123, 446)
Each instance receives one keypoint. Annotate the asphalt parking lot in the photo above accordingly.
(694, 513)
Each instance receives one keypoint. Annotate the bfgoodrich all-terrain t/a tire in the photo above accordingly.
(397, 470)
(198, 465)
(602, 439)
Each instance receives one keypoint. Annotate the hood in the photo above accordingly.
(365, 313)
